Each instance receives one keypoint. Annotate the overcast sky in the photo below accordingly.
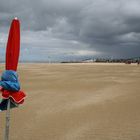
(73, 29)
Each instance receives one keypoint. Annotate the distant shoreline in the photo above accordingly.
(95, 63)
(73, 63)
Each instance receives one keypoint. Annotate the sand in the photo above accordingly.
(77, 102)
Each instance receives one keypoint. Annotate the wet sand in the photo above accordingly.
(77, 102)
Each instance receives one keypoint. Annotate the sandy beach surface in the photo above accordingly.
(77, 102)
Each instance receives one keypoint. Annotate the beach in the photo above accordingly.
(76, 102)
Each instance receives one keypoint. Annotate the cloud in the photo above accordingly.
(86, 53)
(65, 28)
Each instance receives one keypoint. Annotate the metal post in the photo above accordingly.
(7, 121)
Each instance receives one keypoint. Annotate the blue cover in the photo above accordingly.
(4, 103)
(9, 80)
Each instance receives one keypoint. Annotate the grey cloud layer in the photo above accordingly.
(107, 27)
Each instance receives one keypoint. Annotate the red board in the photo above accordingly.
(13, 46)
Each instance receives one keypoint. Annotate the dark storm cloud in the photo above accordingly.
(82, 27)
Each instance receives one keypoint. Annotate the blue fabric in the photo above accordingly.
(9, 80)
(4, 103)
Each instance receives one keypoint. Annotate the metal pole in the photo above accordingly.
(7, 121)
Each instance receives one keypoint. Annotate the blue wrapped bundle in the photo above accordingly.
(9, 80)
